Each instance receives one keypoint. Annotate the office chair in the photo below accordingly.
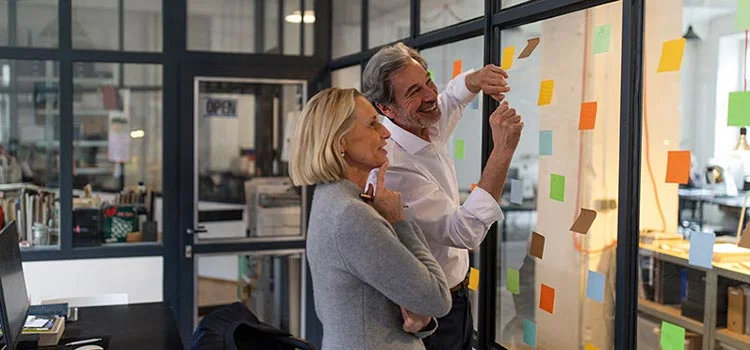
(235, 327)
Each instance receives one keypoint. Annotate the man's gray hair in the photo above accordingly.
(376, 78)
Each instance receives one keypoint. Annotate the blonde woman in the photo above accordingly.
(373, 274)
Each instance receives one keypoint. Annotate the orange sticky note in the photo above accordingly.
(457, 67)
(671, 55)
(588, 116)
(547, 299)
(546, 90)
(589, 346)
(473, 279)
(508, 53)
(678, 167)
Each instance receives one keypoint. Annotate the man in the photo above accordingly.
(396, 80)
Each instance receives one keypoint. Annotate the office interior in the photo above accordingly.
(143, 154)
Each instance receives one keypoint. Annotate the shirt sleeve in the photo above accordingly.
(452, 102)
(441, 219)
(395, 260)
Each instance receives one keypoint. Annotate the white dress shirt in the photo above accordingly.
(425, 175)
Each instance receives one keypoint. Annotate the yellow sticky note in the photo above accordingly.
(590, 347)
(457, 68)
(671, 55)
(474, 279)
(546, 91)
(508, 54)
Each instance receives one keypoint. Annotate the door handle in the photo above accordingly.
(197, 230)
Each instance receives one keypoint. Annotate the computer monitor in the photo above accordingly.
(14, 302)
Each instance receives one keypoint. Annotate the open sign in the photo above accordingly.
(219, 107)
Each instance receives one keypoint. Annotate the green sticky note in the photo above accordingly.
(557, 187)
(742, 16)
(672, 337)
(602, 35)
(739, 108)
(513, 277)
(459, 149)
(431, 76)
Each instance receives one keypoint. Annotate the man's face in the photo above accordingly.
(414, 98)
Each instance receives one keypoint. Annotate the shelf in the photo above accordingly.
(739, 341)
(670, 314)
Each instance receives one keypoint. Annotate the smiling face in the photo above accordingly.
(414, 104)
(364, 144)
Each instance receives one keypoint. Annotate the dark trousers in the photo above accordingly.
(456, 328)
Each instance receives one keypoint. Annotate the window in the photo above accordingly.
(389, 22)
(444, 13)
(350, 77)
(510, 3)
(292, 31)
(225, 26)
(562, 172)
(347, 27)
(96, 25)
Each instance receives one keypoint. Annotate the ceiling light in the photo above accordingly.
(137, 134)
(296, 17)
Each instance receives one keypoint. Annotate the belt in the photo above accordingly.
(460, 285)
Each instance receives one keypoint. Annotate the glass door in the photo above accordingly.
(243, 237)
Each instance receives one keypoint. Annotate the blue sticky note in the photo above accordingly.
(701, 249)
(516, 191)
(529, 333)
(545, 143)
(475, 103)
(595, 286)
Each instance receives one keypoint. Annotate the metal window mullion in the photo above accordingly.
(365, 34)
(414, 15)
(66, 125)
(302, 28)
(281, 27)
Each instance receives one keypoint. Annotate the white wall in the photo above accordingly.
(140, 278)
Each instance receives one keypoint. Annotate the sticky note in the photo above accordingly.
(602, 35)
(537, 245)
(672, 336)
(671, 55)
(457, 68)
(530, 46)
(529, 333)
(595, 286)
(459, 151)
(678, 167)
(513, 279)
(473, 186)
(545, 143)
(546, 90)
(557, 187)
(742, 15)
(584, 221)
(701, 249)
(473, 279)
(547, 299)
(588, 116)
(432, 77)
(516, 191)
(590, 346)
(739, 108)
(508, 54)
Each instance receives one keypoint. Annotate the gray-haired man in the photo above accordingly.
(421, 122)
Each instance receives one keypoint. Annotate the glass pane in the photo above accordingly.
(309, 27)
(509, 3)
(347, 27)
(269, 284)
(696, 173)
(29, 150)
(242, 178)
(350, 77)
(564, 166)
(443, 13)
(95, 24)
(389, 21)
(292, 20)
(224, 25)
(271, 27)
(143, 25)
(117, 153)
(36, 23)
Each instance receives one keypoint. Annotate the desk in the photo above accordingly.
(134, 326)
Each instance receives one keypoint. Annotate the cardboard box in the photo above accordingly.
(736, 312)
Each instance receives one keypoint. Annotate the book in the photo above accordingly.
(51, 336)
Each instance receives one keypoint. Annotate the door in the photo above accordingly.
(243, 233)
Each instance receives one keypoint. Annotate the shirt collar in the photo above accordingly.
(410, 142)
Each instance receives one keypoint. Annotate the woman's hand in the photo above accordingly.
(414, 323)
(387, 202)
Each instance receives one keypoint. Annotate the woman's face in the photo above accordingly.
(364, 144)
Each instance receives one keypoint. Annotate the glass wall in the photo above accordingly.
(388, 21)
(557, 242)
(96, 25)
(349, 77)
(438, 14)
(695, 254)
(347, 28)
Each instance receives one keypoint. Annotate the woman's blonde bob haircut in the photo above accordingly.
(315, 156)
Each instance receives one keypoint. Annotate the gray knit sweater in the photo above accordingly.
(363, 269)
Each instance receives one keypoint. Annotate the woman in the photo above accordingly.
(366, 260)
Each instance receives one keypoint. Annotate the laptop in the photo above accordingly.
(14, 302)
